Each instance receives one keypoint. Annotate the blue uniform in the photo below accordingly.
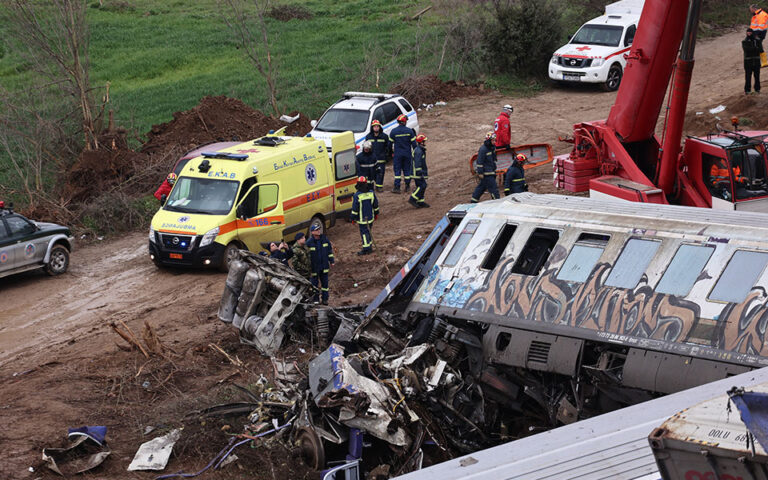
(403, 141)
(486, 157)
(382, 150)
(366, 165)
(419, 173)
(365, 207)
(320, 258)
(514, 179)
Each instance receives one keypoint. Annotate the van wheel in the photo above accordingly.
(230, 254)
(59, 260)
(316, 220)
(614, 78)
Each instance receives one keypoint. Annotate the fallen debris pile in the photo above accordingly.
(397, 397)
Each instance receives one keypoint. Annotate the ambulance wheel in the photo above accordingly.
(316, 220)
(230, 254)
(614, 78)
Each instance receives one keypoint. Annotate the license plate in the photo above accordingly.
(177, 256)
(571, 77)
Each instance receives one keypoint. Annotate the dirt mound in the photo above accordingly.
(430, 89)
(285, 13)
(752, 111)
(215, 119)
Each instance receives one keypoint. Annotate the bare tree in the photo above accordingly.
(52, 37)
(251, 28)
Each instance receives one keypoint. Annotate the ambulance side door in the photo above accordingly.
(260, 218)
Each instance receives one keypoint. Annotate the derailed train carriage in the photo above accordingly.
(565, 307)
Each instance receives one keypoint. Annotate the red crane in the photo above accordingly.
(621, 157)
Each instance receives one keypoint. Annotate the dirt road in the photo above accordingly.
(59, 363)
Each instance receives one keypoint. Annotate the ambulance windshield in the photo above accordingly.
(341, 120)
(607, 35)
(202, 195)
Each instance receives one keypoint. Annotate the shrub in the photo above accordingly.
(522, 36)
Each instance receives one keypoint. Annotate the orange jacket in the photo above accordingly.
(759, 20)
(719, 174)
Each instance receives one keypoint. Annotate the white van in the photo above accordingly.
(595, 54)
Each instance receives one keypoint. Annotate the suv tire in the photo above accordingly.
(58, 261)
(614, 78)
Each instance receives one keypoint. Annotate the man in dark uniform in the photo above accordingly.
(752, 49)
(365, 209)
(419, 173)
(403, 143)
(486, 159)
(301, 262)
(321, 257)
(382, 151)
(514, 179)
(365, 162)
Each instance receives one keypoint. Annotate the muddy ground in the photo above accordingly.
(60, 364)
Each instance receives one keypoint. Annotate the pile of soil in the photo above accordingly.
(752, 111)
(216, 119)
(430, 89)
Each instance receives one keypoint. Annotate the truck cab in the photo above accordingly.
(595, 54)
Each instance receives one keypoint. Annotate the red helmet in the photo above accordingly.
(402, 119)
(421, 138)
(172, 178)
(362, 179)
(375, 122)
(521, 158)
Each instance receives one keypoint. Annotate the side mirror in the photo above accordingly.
(163, 198)
(313, 123)
(241, 214)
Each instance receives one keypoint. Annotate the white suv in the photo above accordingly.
(356, 110)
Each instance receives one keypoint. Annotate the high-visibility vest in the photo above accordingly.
(759, 20)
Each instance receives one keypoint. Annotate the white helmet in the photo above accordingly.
(367, 145)
(508, 108)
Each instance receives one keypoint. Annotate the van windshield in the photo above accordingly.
(606, 35)
(202, 195)
(341, 120)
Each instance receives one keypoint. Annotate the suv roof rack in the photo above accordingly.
(225, 156)
(379, 96)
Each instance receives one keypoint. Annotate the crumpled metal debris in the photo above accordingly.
(154, 454)
(85, 452)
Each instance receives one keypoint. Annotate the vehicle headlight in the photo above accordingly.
(151, 234)
(209, 237)
(554, 60)
(596, 62)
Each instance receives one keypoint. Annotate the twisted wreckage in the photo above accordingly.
(515, 316)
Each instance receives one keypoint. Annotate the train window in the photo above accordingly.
(739, 276)
(498, 247)
(536, 251)
(684, 269)
(580, 263)
(461, 243)
(632, 262)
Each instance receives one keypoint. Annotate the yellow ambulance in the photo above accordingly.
(250, 194)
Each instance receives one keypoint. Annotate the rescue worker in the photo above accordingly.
(300, 261)
(759, 23)
(502, 129)
(280, 252)
(321, 258)
(720, 178)
(514, 179)
(752, 49)
(419, 173)
(382, 151)
(365, 162)
(486, 158)
(403, 143)
(365, 209)
(166, 187)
